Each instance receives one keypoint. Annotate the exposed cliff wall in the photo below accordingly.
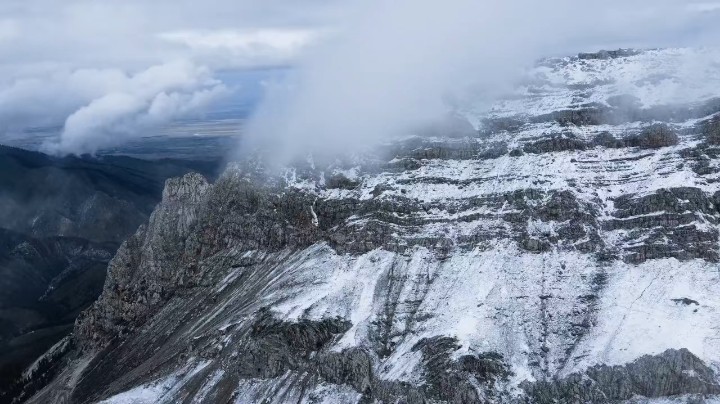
(543, 261)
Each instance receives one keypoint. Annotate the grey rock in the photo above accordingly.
(672, 373)
(613, 54)
(671, 232)
(606, 139)
(654, 137)
(340, 181)
(555, 144)
(499, 125)
(711, 131)
(594, 114)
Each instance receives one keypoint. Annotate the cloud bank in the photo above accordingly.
(108, 71)
(397, 65)
(105, 72)
(120, 106)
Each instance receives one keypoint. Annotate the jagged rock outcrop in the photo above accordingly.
(133, 292)
(612, 54)
(340, 181)
(555, 144)
(674, 222)
(672, 373)
(429, 270)
(711, 131)
(654, 137)
(606, 139)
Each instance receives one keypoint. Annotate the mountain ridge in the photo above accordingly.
(562, 259)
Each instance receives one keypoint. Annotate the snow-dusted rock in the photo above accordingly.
(567, 253)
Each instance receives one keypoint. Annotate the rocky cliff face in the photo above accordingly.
(566, 253)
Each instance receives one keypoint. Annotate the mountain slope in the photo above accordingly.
(567, 253)
(62, 220)
(45, 284)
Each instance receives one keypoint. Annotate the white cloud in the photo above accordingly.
(704, 7)
(282, 40)
(394, 62)
(9, 30)
(234, 48)
(135, 33)
(109, 70)
(128, 106)
(106, 69)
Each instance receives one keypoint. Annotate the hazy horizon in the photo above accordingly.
(89, 76)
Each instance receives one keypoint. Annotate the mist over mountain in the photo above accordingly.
(106, 74)
(359, 201)
(395, 67)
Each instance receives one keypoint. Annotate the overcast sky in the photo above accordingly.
(110, 70)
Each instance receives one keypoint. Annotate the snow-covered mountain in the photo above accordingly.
(567, 252)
